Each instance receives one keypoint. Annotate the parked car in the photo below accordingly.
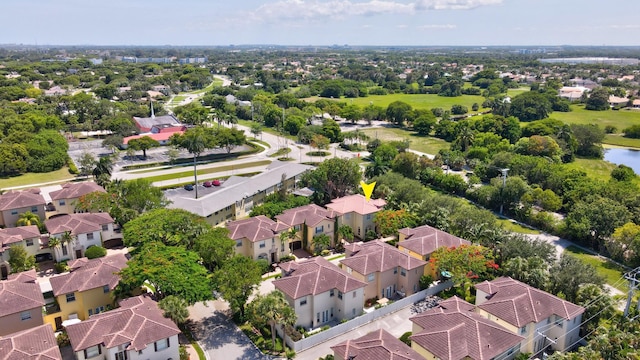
(207, 184)
(215, 182)
(43, 257)
(188, 187)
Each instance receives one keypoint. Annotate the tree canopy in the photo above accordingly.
(333, 178)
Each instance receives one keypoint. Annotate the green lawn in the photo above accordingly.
(207, 171)
(418, 101)
(267, 130)
(621, 119)
(515, 227)
(610, 271)
(61, 175)
(619, 140)
(425, 144)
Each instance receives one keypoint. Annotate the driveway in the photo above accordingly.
(219, 337)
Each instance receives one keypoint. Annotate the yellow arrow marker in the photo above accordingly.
(368, 189)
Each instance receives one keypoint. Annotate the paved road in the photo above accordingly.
(218, 336)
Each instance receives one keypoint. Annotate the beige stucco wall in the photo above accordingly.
(172, 352)
(14, 323)
(9, 219)
(347, 307)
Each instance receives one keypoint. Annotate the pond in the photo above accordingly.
(628, 157)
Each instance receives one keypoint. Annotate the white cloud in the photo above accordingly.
(437, 26)
(627, 26)
(402, 26)
(318, 9)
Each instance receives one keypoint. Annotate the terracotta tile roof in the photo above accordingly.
(311, 215)
(75, 190)
(378, 256)
(254, 229)
(376, 345)
(77, 223)
(38, 343)
(21, 199)
(89, 274)
(29, 276)
(162, 136)
(16, 295)
(452, 331)
(314, 276)
(138, 321)
(13, 235)
(520, 304)
(356, 203)
(425, 239)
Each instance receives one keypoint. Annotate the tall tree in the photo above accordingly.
(568, 275)
(28, 218)
(214, 247)
(333, 178)
(172, 227)
(144, 143)
(228, 139)
(195, 141)
(175, 309)
(102, 170)
(86, 163)
(236, 281)
(271, 309)
(20, 260)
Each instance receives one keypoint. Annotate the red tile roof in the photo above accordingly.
(163, 136)
(38, 343)
(21, 199)
(138, 321)
(378, 256)
(81, 223)
(75, 190)
(520, 304)
(314, 276)
(89, 274)
(425, 239)
(254, 229)
(356, 203)
(376, 345)
(311, 215)
(16, 295)
(452, 331)
(10, 236)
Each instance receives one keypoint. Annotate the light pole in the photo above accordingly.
(504, 183)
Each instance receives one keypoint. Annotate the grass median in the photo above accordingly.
(212, 170)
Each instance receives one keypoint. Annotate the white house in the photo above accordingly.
(87, 229)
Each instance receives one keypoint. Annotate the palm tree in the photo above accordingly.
(195, 140)
(28, 218)
(102, 170)
(67, 238)
(175, 308)
(288, 235)
(54, 242)
(377, 167)
(321, 242)
(272, 309)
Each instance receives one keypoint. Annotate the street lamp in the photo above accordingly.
(504, 183)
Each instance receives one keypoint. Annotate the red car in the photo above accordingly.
(215, 183)
(206, 184)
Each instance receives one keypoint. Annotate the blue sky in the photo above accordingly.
(320, 22)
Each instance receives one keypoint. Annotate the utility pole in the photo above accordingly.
(632, 276)
(504, 183)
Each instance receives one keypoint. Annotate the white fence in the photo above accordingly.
(340, 329)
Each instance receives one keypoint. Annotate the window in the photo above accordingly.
(395, 270)
(90, 312)
(559, 321)
(371, 277)
(105, 227)
(29, 242)
(303, 302)
(25, 315)
(368, 216)
(340, 295)
(99, 309)
(347, 216)
(353, 311)
(122, 355)
(523, 330)
(65, 252)
(14, 212)
(62, 202)
(331, 292)
(354, 294)
(92, 351)
(403, 272)
(90, 236)
(238, 243)
(161, 345)
(262, 244)
(71, 297)
(415, 287)
(105, 289)
(319, 229)
(296, 227)
(34, 209)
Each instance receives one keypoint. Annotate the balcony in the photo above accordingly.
(51, 308)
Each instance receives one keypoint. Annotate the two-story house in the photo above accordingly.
(541, 318)
(13, 203)
(310, 221)
(320, 292)
(259, 238)
(422, 241)
(21, 303)
(36, 343)
(65, 200)
(26, 236)
(378, 345)
(453, 331)
(86, 289)
(136, 330)
(387, 271)
(357, 212)
(86, 229)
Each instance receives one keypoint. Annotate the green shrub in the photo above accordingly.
(425, 281)
(61, 267)
(325, 252)
(405, 338)
(287, 258)
(73, 170)
(184, 355)
(290, 353)
(264, 266)
(94, 252)
(63, 339)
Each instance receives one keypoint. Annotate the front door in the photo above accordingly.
(4, 272)
(78, 254)
(58, 323)
(273, 257)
